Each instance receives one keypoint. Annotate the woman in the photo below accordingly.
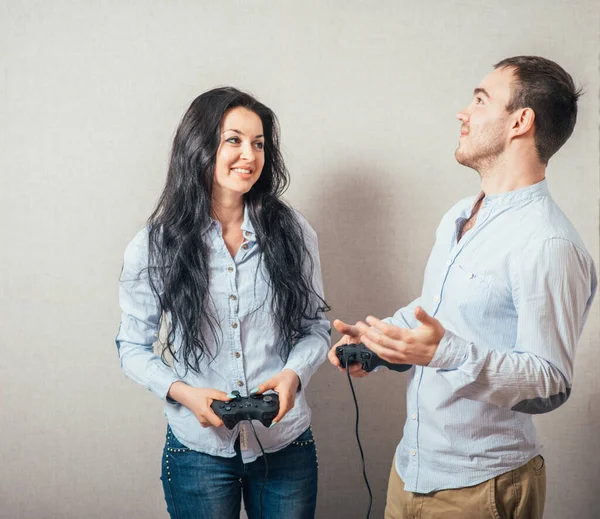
(233, 275)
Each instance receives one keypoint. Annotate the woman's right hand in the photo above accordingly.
(351, 335)
(198, 400)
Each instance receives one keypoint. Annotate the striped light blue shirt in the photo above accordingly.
(513, 295)
(241, 301)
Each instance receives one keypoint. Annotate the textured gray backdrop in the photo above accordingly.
(90, 95)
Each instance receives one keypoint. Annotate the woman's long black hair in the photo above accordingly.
(178, 256)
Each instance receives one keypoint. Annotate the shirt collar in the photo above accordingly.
(507, 199)
(209, 225)
(247, 227)
(518, 195)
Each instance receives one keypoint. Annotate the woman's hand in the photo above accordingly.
(285, 384)
(198, 401)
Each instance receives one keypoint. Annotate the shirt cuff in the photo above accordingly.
(160, 382)
(450, 353)
(303, 376)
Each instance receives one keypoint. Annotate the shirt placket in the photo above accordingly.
(238, 378)
(412, 426)
(414, 411)
(234, 270)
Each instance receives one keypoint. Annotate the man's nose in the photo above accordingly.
(463, 116)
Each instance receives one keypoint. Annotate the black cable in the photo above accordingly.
(266, 467)
(362, 457)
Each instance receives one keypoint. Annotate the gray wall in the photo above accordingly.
(90, 95)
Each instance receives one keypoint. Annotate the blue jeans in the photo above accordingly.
(201, 486)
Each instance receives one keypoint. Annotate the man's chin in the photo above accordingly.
(460, 157)
(465, 160)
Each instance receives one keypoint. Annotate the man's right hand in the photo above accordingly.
(351, 335)
(198, 400)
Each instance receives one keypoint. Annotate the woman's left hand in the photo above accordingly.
(285, 384)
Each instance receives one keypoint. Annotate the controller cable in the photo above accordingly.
(362, 457)
(266, 468)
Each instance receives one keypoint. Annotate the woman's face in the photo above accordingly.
(241, 155)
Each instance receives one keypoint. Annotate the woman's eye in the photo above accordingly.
(233, 140)
(260, 145)
(478, 100)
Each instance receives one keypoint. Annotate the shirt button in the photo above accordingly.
(436, 298)
(245, 246)
(237, 354)
(248, 233)
(230, 269)
(414, 416)
(413, 453)
(234, 325)
(240, 383)
(232, 297)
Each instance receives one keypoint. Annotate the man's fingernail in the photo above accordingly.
(272, 425)
(231, 395)
(254, 391)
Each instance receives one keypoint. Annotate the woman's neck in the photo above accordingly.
(229, 213)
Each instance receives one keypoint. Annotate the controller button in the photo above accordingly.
(228, 408)
(365, 355)
(268, 399)
(222, 406)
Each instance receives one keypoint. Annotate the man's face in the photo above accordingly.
(485, 122)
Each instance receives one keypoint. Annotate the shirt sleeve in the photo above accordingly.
(309, 352)
(140, 322)
(554, 283)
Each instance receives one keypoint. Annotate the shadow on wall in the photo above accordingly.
(357, 218)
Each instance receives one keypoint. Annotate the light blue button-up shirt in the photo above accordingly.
(513, 295)
(241, 302)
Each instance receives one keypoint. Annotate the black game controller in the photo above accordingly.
(349, 353)
(255, 407)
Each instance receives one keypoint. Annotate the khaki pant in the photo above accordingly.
(518, 494)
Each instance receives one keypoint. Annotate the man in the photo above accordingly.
(506, 293)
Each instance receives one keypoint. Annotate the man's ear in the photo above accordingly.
(523, 120)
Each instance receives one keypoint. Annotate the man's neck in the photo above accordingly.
(511, 173)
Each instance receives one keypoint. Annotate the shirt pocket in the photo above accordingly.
(477, 293)
(253, 287)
